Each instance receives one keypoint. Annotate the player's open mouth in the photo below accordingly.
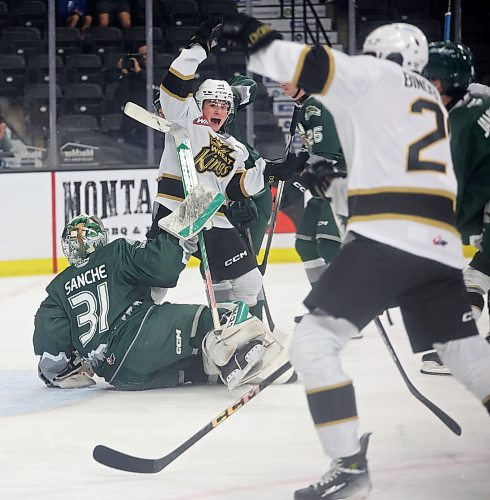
(216, 121)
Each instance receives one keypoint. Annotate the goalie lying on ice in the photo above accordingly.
(99, 318)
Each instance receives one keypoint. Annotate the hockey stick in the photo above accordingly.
(444, 417)
(447, 23)
(279, 193)
(266, 303)
(189, 180)
(129, 463)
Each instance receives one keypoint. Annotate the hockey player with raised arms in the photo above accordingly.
(451, 70)
(220, 163)
(99, 317)
(402, 246)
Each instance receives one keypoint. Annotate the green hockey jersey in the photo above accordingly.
(99, 305)
(470, 148)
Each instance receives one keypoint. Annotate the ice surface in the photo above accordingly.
(264, 451)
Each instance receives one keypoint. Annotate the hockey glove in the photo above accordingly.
(294, 191)
(249, 33)
(242, 214)
(207, 34)
(319, 174)
(279, 170)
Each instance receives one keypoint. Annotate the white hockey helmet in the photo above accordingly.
(402, 43)
(214, 89)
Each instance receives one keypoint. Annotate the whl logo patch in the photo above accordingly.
(200, 121)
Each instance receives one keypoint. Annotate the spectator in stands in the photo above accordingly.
(5, 134)
(108, 8)
(132, 87)
(76, 13)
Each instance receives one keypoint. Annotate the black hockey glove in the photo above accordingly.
(294, 191)
(279, 170)
(207, 34)
(242, 214)
(319, 174)
(248, 32)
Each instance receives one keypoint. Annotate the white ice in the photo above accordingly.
(263, 452)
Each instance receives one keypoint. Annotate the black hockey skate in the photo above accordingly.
(432, 365)
(242, 362)
(348, 478)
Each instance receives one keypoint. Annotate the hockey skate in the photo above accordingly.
(244, 359)
(348, 478)
(432, 365)
(194, 214)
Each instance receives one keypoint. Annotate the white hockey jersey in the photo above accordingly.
(394, 134)
(219, 158)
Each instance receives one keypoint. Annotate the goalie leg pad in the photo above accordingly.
(219, 349)
(194, 214)
(276, 354)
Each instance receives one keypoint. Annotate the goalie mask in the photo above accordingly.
(218, 90)
(402, 43)
(81, 237)
(452, 64)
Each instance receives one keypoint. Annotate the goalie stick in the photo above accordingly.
(189, 180)
(441, 415)
(130, 463)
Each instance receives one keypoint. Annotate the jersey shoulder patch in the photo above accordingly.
(312, 110)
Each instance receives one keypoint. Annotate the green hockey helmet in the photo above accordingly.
(81, 237)
(452, 64)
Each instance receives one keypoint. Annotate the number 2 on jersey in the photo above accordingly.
(90, 316)
(413, 161)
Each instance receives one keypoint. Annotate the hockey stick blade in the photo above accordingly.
(129, 463)
(441, 415)
(149, 119)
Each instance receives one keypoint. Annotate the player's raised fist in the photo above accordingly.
(206, 34)
(248, 32)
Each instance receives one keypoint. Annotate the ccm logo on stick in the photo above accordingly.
(235, 258)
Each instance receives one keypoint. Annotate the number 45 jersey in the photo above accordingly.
(393, 130)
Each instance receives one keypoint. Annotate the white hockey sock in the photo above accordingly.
(314, 269)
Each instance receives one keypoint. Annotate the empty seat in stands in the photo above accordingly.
(372, 10)
(100, 40)
(4, 15)
(111, 124)
(135, 37)
(12, 75)
(36, 98)
(178, 37)
(83, 98)
(38, 69)
(232, 63)
(410, 9)
(31, 14)
(84, 68)
(183, 12)
(68, 41)
(218, 8)
(78, 128)
(22, 41)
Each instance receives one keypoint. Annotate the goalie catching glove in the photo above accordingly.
(319, 174)
(245, 353)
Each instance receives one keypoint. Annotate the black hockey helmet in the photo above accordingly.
(452, 64)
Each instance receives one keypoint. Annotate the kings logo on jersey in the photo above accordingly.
(216, 158)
